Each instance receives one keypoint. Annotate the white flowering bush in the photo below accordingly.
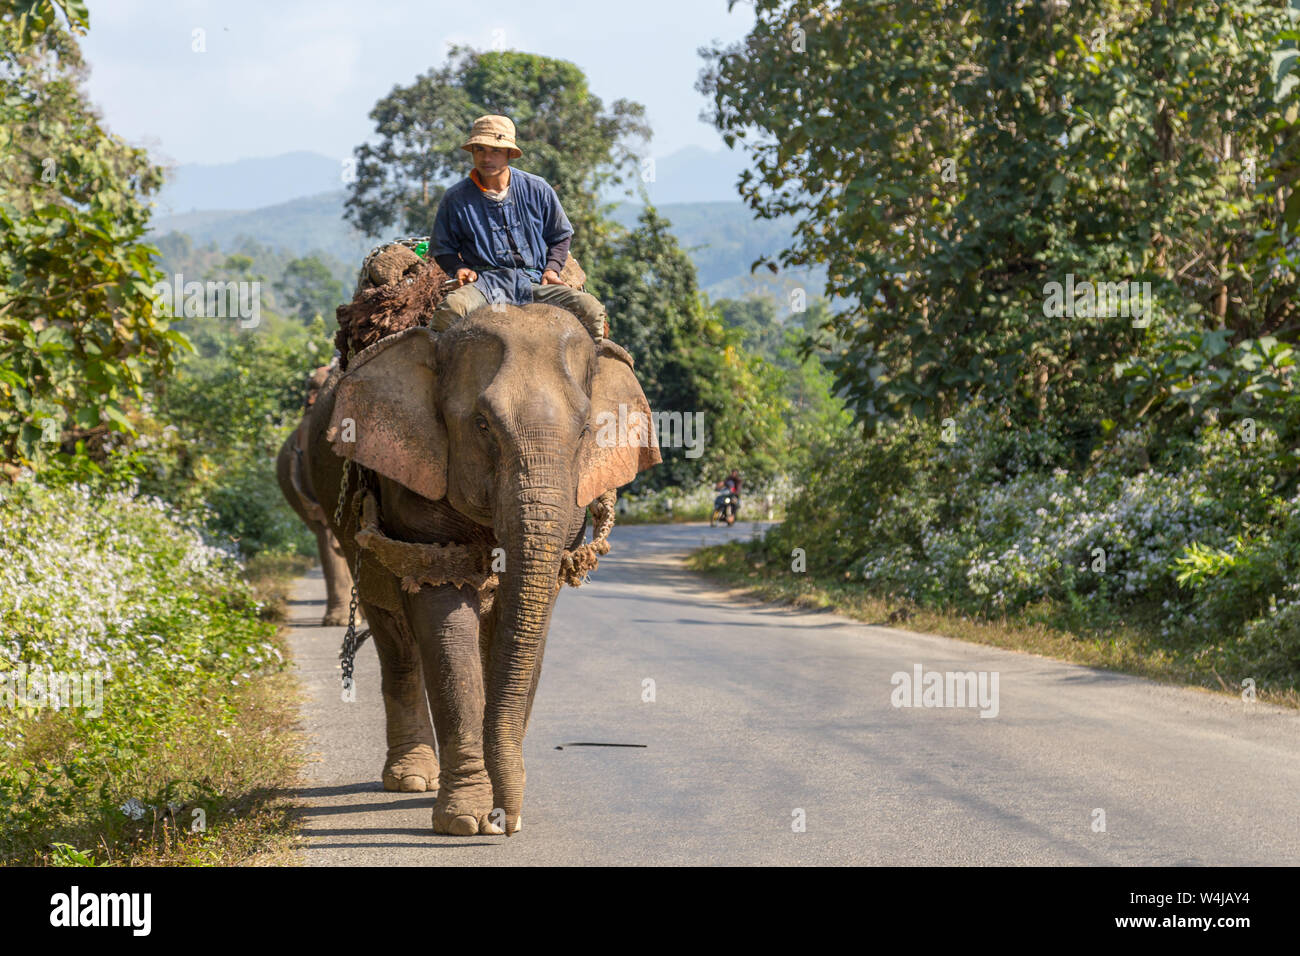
(130, 589)
(972, 516)
(1038, 536)
(207, 442)
(1271, 643)
(86, 580)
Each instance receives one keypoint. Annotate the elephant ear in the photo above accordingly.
(386, 413)
(622, 441)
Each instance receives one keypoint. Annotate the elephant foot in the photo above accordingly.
(466, 810)
(414, 771)
(338, 617)
(453, 823)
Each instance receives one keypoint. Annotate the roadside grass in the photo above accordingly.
(686, 505)
(233, 757)
(271, 575)
(148, 712)
(677, 516)
(240, 766)
(1131, 646)
(690, 513)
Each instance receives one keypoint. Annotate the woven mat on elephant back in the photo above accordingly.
(411, 289)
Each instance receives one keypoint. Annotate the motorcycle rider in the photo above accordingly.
(732, 484)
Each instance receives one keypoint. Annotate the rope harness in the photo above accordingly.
(416, 565)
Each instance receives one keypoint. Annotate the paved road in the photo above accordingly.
(763, 711)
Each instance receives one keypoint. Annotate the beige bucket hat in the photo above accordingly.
(494, 131)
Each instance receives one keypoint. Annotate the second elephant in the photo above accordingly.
(293, 474)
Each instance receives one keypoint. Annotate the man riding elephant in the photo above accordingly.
(503, 235)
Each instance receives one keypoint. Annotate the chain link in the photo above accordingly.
(343, 494)
(351, 639)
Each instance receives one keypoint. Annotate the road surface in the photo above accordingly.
(772, 738)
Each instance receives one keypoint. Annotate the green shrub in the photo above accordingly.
(1191, 538)
(129, 591)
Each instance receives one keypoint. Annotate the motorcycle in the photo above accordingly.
(724, 508)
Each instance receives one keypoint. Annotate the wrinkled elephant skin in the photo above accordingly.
(482, 435)
(293, 475)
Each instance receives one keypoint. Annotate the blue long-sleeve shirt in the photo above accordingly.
(480, 231)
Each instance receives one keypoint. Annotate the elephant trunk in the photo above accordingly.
(531, 526)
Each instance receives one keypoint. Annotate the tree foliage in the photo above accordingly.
(219, 423)
(688, 360)
(78, 333)
(948, 160)
(309, 289)
(1286, 95)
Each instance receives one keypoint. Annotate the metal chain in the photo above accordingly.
(351, 639)
(343, 493)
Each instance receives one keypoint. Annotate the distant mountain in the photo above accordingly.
(248, 183)
(722, 238)
(692, 174)
(299, 226)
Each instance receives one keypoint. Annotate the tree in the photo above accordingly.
(310, 289)
(1285, 92)
(950, 160)
(78, 331)
(687, 360)
(754, 317)
(566, 135)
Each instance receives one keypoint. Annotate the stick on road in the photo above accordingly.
(764, 716)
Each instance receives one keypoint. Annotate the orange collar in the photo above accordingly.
(473, 174)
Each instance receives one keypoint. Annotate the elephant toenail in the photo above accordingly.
(463, 825)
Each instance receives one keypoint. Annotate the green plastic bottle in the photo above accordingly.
(422, 250)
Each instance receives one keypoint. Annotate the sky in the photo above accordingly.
(278, 76)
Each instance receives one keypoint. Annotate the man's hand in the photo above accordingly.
(465, 276)
(551, 277)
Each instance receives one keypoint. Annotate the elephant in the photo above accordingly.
(490, 437)
(295, 484)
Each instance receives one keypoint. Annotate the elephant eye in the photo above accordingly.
(481, 422)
